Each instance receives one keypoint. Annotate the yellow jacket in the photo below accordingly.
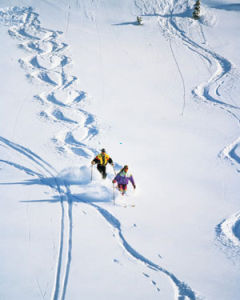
(103, 159)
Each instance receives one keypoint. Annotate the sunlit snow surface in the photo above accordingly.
(163, 98)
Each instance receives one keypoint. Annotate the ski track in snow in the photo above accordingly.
(47, 64)
(44, 172)
(168, 16)
(48, 176)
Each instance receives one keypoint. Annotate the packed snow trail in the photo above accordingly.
(47, 65)
(175, 22)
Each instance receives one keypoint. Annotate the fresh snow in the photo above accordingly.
(77, 76)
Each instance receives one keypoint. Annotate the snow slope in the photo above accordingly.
(77, 76)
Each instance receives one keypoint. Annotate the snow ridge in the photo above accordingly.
(228, 232)
(47, 65)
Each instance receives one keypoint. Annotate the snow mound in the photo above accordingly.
(76, 175)
(207, 18)
(228, 233)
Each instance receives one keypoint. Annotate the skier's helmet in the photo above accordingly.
(103, 150)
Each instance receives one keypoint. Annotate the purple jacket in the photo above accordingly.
(123, 178)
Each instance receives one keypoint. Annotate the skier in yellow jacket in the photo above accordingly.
(102, 160)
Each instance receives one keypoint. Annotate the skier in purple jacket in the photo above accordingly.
(122, 179)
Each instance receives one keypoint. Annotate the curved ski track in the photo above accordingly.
(168, 16)
(47, 64)
(44, 173)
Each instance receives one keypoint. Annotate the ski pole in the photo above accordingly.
(91, 172)
(114, 170)
(113, 195)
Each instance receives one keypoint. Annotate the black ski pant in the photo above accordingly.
(102, 170)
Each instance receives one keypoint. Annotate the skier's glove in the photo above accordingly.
(93, 162)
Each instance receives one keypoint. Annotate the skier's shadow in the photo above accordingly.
(73, 198)
(85, 196)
